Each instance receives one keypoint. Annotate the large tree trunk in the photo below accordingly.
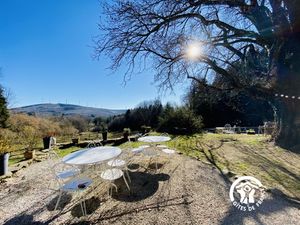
(289, 84)
(289, 125)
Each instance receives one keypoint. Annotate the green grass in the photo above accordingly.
(64, 152)
(13, 161)
(241, 166)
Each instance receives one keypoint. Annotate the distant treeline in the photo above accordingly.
(202, 108)
(153, 115)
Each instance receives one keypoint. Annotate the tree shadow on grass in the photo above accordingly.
(278, 172)
(269, 206)
(208, 152)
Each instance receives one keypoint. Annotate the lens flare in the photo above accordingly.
(194, 51)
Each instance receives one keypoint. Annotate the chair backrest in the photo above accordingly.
(126, 155)
(53, 157)
(91, 144)
(165, 134)
(94, 143)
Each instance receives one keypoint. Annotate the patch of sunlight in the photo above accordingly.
(66, 151)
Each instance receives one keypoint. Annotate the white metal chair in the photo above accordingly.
(168, 151)
(111, 175)
(61, 171)
(171, 151)
(139, 149)
(163, 146)
(122, 162)
(75, 185)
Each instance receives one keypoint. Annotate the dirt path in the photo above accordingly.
(184, 191)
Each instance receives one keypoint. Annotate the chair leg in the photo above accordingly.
(127, 173)
(82, 208)
(58, 200)
(149, 163)
(126, 182)
(115, 186)
(109, 190)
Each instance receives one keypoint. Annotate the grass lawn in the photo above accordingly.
(242, 154)
(252, 155)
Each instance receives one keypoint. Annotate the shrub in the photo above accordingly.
(102, 127)
(126, 131)
(180, 120)
(6, 140)
(79, 122)
(30, 137)
(30, 130)
(66, 128)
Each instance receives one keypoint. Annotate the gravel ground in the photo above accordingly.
(182, 191)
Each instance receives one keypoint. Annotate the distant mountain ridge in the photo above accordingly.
(49, 109)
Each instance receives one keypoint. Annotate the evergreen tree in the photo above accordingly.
(3, 109)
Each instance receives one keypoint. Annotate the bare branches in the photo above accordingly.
(159, 30)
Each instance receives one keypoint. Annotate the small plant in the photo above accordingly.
(103, 127)
(104, 130)
(126, 132)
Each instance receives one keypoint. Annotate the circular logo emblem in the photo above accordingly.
(246, 193)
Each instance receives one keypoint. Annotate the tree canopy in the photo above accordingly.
(232, 35)
(228, 31)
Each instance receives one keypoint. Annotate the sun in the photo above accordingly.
(194, 50)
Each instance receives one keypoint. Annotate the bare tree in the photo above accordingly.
(232, 34)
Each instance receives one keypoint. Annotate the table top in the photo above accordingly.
(154, 139)
(92, 155)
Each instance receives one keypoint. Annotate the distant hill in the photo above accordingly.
(66, 109)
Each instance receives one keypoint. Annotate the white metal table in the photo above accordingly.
(89, 156)
(153, 139)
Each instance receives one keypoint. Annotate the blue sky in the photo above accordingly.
(45, 56)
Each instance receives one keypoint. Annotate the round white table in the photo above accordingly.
(92, 155)
(151, 152)
(154, 139)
